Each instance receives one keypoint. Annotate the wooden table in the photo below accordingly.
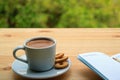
(71, 41)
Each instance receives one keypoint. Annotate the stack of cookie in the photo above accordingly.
(61, 61)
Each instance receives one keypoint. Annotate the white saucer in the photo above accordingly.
(21, 69)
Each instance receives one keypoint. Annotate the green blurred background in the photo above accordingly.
(59, 13)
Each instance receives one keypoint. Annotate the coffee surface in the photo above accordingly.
(40, 43)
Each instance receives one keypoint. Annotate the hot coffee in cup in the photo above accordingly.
(40, 53)
(40, 43)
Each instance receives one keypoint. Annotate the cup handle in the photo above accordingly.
(15, 56)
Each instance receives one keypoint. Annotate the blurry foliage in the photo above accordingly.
(59, 13)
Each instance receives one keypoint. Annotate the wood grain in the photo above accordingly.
(71, 41)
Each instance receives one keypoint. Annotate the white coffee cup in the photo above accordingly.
(38, 58)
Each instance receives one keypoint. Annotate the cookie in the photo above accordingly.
(61, 65)
(64, 58)
(59, 55)
(61, 61)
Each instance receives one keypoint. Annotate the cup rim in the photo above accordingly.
(40, 37)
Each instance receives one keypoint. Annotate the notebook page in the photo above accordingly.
(102, 64)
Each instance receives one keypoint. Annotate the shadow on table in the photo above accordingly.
(61, 77)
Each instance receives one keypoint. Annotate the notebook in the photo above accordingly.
(102, 64)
